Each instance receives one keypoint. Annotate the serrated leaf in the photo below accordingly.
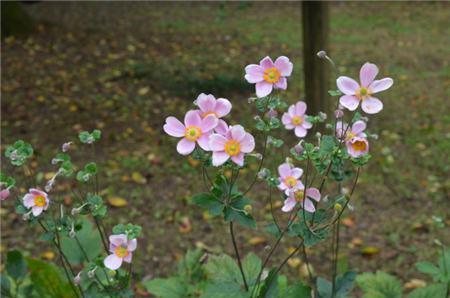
(379, 285)
(166, 288)
(431, 291)
(251, 265)
(209, 202)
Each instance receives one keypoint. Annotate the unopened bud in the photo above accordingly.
(339, 113)
(77, 278)
(75, 211)
(91, 273)
(374, 136)
(248, 208)
(328, 126)
(258, 155)
(262, 174)
(365, 119)
(251, 99)
(322, 116)
(299, 148)
(26, 216)
(272, 114)
(13, 155)
(257, 118)
(322, 54)
(338, 207)
(289, 161)
(49, 185)
(55, 161)
(66, 146)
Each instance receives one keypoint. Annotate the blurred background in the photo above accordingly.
(124, 67)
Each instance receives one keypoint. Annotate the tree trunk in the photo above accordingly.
(315, 38)
(15, 21)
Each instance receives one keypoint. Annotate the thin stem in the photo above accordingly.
(98, 224)
(335, 258)
(271, 209)
(305, 255)
(82, 249)
(236, 251)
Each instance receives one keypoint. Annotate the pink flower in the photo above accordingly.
(121, 250)
(4, 194)
(298, 196)
(268, 75)
(234, 144)
(357, 146)
(194, 130)
(37, 200)
(222, 127)
(295, 118)
(354, 92)
(210, 106)
(289, 178)
(355, 131)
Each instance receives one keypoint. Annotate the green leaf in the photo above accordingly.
(270, 287)
(239, 216)
(444, 265)
(334, 92)
(251, 265)
(96, 134)
(324, 288)
(90, 241)
(428, 268)
(273, 229)
(91, 168)
(5, 285)
(327, 145)
(379, 285)
(209, 202)
(223, 290)
(16, 266)
(431, 291)
(223, 269)
(190, 267)
(166, 288)
(297, 290)
(344, 283)
(48, 281)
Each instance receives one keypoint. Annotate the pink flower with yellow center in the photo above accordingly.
(299, 196)
(208, 105)
(357, 146)
(194, 130)
(37, 200)
(356, 130)
(121, 251)
(289, 178)
(234, 144)
(363, 92)
(268, 75)
(295, 118)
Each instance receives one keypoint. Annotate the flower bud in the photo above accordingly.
(262, 174)
(75, 211)
(338, 207)
(4, 194)
(258, 156)
(248, 208)
(365, 119)
(13, 155)
(66, 146)
(339, 113)
(329, 126)
(322, 116)
(322, 54)
(49, 185)
(26, 216)
(55, 161)
(272, 113)
(91, 273)
(72, 233)
(77, 278)
(257, 118)
(299, 148)
(251, 99)
(374, 136)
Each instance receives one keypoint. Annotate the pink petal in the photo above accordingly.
(207, 103)
(185, 147)
(118, 240)
(28, 200)
(308, 206)
(306, 124)
(174, 127)
(237, 132)
(248, 143)
(347, 85)
(296, 173)
(286, 119)
(203, 142)
(284, 66)
(313, 193)
(254, 73)
(192, 118)
(223, 107)
(266, 63)
(281, 84)
(208, 123)
(289, 204)
(282, 185)
(219, 158)
(4, 194)
(381, 85)
(289, 126)
(300, 108)
(340, 128)
(37, 192)
(300, 131)
(238, 159)
(132, 244)
(358, 127)
(217, 142)
(284, 170)
(112, 262)
(371, 105)
(128, 258)
(112, 247)
(222, 127)
(36, 210)
(349, 101)
(263, 89)
(367, 74)
(291, 111)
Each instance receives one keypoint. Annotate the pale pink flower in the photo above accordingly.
(194, 130)
(37, 200)
(298, 196)
(295, 118)
(268, 75)
(356, 130)
(354, 92)
(209, 105)
(289, 178)
(234, 144)
(222, 127)
(121, 251)
(357, 146)
(4, 194)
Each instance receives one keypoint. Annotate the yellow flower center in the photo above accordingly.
(290, 181)
(121, 251)
(359, 146)
(299, 195)
(192, 133)
(363, 93)
(205, 114)
(39, 201)
(271, 75)
(296, 120)
(232, 147)
(349, 136)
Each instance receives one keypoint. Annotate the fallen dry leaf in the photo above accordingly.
(138, 178)
(256, 240)
(415, 283)
(117, 202)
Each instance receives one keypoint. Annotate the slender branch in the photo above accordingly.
(335, 259)
(98, 224)
(236, 251)
(305, 255)
(271, 209)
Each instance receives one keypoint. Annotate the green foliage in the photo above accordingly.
(431, 291)
(19, 152)
(379, 285)
(16, 266)
(66, 167)
(343, 285)
(334, 92)
(90, 170)
(48, 280)
(97, 207)
(89, 138)
(6, 182)
(132, 231)
(167, 287)
(209, 202)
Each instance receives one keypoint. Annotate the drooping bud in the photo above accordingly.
(299, 148)
(272, 114)
(77, 278)
(66, 146)
(322, 54)
(339, 113)
(91, 273)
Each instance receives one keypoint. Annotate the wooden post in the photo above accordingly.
(315, 38)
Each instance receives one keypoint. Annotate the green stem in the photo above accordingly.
(236, 251)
